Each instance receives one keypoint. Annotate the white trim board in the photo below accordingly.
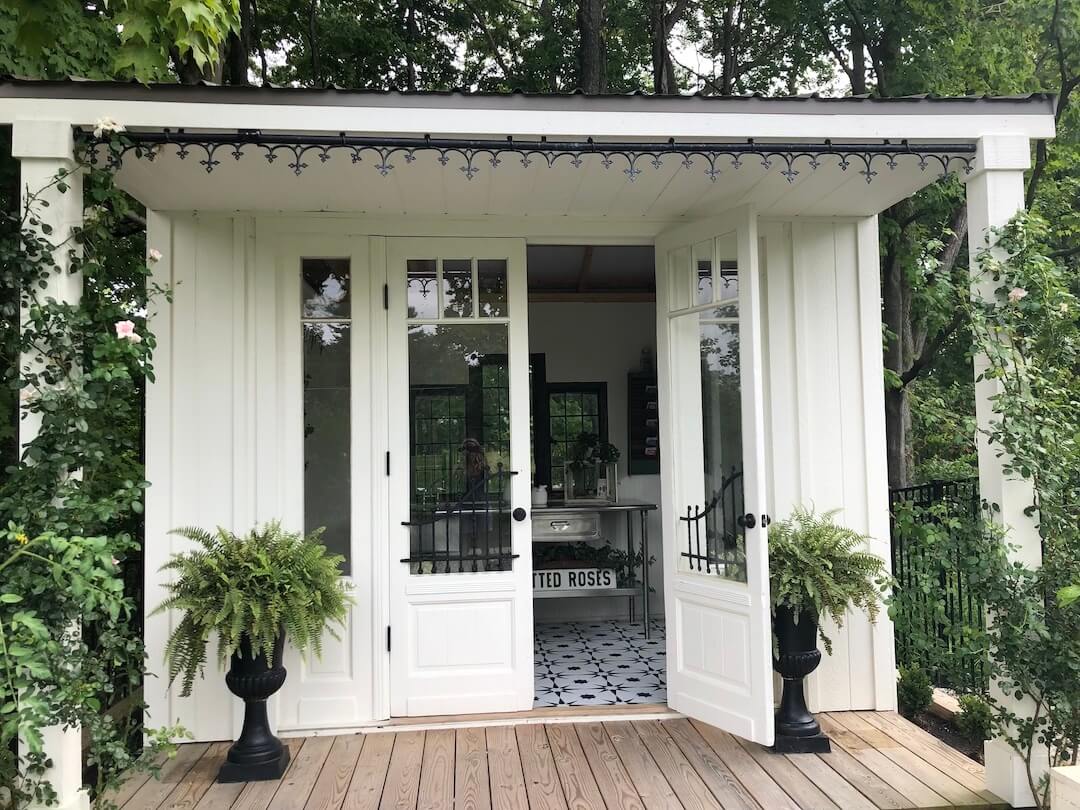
(476, 121)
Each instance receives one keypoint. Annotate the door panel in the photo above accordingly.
(327, 316)
(715, 540)
(461, 568)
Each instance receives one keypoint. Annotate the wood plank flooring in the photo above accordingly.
(879, 761)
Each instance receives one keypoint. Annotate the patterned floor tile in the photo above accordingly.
(599, 663)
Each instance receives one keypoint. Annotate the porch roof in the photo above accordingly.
(650, 160)
(335, 95)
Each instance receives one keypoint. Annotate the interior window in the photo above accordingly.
(573, 409)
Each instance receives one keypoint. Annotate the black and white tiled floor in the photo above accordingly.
(601, 663)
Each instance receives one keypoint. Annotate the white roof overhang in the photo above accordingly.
(621, 184)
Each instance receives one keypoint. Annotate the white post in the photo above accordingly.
(995, 192)
(44, 148)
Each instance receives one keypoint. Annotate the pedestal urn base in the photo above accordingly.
(257, 755)
(797, 732)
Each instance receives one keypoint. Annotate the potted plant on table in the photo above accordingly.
(592, 472)
(253, 591)
(816, 566)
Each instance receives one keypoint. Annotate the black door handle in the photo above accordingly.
(747, 521)
(519, 514)
(765, 521)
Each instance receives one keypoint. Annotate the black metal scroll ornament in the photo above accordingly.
(298, 152)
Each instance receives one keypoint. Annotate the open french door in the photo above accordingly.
(716, 569)
(461, 567)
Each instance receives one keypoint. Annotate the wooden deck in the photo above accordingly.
(879, 761)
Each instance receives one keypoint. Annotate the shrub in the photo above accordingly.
(914, 691)
(976, 718)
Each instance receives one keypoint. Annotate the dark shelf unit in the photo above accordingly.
(644, 424)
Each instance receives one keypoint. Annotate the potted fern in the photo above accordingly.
(816, 566)
(253, 591)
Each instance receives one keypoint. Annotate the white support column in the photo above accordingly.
(995, 192)
(44, 148)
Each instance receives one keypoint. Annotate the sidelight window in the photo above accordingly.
(326, 330)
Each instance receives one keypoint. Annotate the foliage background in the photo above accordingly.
(715, 47)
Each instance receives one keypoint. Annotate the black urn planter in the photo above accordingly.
(797, 732)
(258, 755)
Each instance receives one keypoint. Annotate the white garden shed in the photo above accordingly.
(379, 294)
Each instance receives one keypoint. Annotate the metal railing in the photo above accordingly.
(722, 534)
(469, 536)
(936, 610)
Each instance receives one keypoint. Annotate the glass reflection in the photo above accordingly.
(459, 389)
(491, 278)
(727, 251)
(422, 296)
(325, 288)
(327, 476)
(721, 433)
(457, 288)
(703, 268)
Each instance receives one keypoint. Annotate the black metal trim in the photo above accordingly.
(299, 148)
(724, 520)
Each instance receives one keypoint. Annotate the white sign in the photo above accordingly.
(573, 579)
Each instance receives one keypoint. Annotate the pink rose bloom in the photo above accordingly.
(125, 330)
(1016, 293)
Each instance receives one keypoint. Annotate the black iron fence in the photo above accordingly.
(938, 618)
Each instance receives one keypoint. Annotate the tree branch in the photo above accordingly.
(1068, 84)
(710, 81)
(836, 52)
(1069, 251)
(947, 261)
(676, 14)
(491, 40)
(931, 349)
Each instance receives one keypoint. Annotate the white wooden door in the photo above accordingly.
(322, 373)
(711, 419)
(460, 630)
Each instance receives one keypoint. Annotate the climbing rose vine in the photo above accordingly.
(70, 504)
(1029, 335)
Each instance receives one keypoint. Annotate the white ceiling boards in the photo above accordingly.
(651, 189)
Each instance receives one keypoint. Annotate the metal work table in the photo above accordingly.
(627, 508)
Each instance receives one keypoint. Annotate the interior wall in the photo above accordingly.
(825, 420)
(591, 342)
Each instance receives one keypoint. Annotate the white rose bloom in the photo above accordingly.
(107, 124)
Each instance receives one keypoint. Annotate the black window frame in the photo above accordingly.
(598, 387)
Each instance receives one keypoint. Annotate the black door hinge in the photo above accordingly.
(388, 638)
(387, 462)
(386, 296)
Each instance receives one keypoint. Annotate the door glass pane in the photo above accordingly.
(423, 296)
(705, 368)
(721, 434)
(459, 388)
(324, 288)
(491, 278)
(327, 500)
(680, 278)
(457, 288)
(727, 251)
(703, 270)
